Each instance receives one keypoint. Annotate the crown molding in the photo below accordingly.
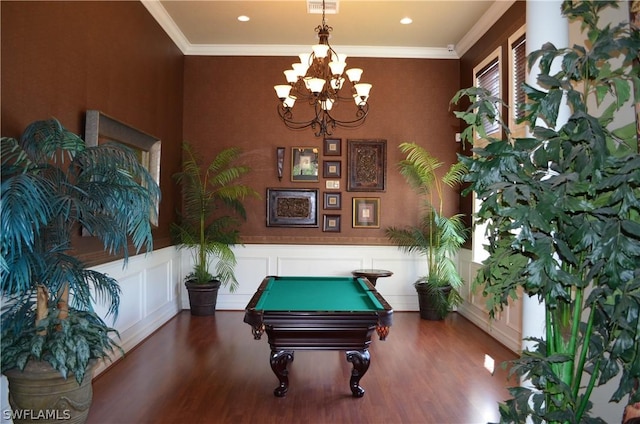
(161, 16)
(159, 13)
(483, 25)
(294, 50)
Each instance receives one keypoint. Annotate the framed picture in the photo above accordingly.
(103, 128)
(280, 162)
(366, 212)
(331, 223)
(294, 207)
(367, 164)
(304, 164)
(332, 147)
(333, 201)
(331, 168)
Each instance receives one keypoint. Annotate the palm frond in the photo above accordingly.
(419, 167)
(48, 141)
(14, 158)
(452, 232)
(224, 160)
(409, 239)
(107, 290)
(455, 175)
(24, 210)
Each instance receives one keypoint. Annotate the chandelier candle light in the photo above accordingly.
(318, 80)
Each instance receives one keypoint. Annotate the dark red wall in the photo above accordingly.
(61, 58)
(230, 101)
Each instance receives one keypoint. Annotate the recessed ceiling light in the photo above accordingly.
(406, 21)
(243, 18)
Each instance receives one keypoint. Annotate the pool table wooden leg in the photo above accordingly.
(279, 360)
(360, 360)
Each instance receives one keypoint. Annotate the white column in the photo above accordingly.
(545, 23)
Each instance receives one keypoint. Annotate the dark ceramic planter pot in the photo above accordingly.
(40, 394)
(203, 297)
(430, 301)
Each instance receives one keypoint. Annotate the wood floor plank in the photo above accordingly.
(210, 370)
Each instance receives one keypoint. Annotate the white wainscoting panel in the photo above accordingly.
(149, 295)
(256, 261)
(131, 302)
(158, 288)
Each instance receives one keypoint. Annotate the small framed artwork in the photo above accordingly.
(366, 212)
(333, 201)
(331, 168)
(292, 207)
(332, 147)
(331, 223)
(367, 163)
(304, 164)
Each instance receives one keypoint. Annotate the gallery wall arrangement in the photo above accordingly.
(307, 207)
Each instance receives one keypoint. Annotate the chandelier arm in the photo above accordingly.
(323, 120)
(287, 117)
(305, 97)
(331, 93)
(361, 115)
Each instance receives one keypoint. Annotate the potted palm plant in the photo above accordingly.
(208, 223)
(53, 184)
(437, 237)
(562, 209)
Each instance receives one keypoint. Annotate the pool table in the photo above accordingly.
(318, 313)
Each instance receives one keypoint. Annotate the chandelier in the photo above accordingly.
(319, 82)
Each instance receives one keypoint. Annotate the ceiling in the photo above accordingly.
(365, 28)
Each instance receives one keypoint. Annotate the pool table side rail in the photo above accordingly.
(252, 316)
(335, 331)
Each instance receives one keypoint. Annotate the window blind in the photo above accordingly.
(489, 79)
(519, 76)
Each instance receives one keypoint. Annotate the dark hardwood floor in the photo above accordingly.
(211, 370)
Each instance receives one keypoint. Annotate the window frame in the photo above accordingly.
(478, 239)
(517, 130)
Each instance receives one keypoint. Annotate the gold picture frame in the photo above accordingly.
(366, 212)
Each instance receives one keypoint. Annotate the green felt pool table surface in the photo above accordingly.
(318, 294)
